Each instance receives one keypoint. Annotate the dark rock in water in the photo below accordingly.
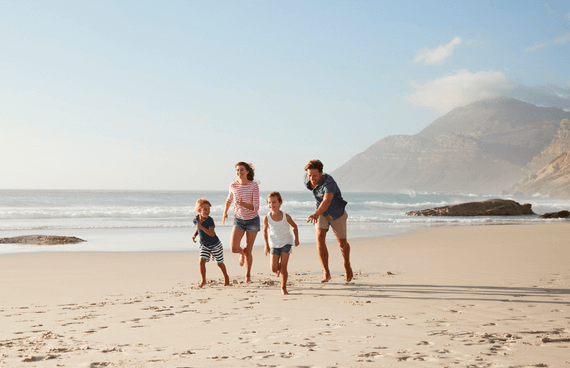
(41, 240)
(560, 214)
(491, 207)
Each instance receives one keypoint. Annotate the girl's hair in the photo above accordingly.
(249, 168)
(275, 194)
(201, 202)
(314, 164)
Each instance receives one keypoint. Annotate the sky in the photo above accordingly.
(170, 95)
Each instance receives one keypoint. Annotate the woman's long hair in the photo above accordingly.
(250, 169)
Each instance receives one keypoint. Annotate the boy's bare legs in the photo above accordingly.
(284, 273)
(202, 272)
(225, 272)
(237, 235)
(323, 253)
(248, 257)
(345, 250)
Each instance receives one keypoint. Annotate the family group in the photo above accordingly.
(244, 193)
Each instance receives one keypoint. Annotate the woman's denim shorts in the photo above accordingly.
(251, 226)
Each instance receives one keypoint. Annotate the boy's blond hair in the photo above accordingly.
(201, 202)
(275, 194)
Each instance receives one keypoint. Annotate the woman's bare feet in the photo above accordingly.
(242, 259)
(284, 291)
(202, 284)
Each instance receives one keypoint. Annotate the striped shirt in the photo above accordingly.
(249, 193)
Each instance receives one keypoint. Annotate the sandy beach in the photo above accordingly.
(474, 296)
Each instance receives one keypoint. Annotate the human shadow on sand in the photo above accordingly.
(537, 295)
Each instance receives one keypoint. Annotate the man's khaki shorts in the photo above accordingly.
(338, 225)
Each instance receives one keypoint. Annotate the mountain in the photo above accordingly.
(556, 147)
(552, 180)
(549, 172)
(481, 147)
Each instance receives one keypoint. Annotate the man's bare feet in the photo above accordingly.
(202, 284)
(248, 280)
(227, 281)
(326, 278)
(242, 259)
(349, 275)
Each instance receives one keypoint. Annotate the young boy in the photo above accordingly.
(277, 233)
(210, 245)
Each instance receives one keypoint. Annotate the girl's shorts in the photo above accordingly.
(284, 249)
(216, 252)
(251, 226)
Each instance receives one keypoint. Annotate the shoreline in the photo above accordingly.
(437, 297)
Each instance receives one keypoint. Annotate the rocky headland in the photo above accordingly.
(484, 147)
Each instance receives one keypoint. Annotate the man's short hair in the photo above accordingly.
(314, 165)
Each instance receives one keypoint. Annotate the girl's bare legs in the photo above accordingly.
(284, 273)
(249, 240)
(237, 235)
(275, 265)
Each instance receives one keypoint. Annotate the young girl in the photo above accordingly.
(245, 192)
(277, 233)
(210, 245)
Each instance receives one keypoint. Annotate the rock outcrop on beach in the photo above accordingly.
(491, 207)
(482, 148)
(559, 214)
(41, 240)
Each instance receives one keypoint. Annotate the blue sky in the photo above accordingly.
(169, 95)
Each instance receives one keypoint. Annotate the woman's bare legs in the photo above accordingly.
(237, 235)
(249, 240)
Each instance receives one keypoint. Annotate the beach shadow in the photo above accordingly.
(537, 295)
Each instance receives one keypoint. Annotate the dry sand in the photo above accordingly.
(478, 296)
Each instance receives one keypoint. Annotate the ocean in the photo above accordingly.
(124, 221)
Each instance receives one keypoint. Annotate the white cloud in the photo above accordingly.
(538, 45)
(439, 54)
(535, 46)
(563, 39)
(447, 93)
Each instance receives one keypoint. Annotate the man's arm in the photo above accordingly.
(327, 198)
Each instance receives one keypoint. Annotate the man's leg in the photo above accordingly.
(345, 250)
(323, 253)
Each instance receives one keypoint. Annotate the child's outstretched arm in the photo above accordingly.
(295, 229)
(265, 236)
